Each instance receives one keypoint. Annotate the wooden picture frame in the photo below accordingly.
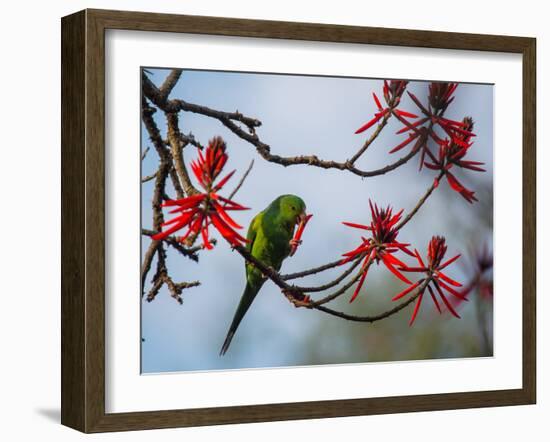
(83, 220)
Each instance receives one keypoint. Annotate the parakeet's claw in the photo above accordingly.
(294, 243)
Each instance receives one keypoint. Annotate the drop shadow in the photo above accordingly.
(51, 414)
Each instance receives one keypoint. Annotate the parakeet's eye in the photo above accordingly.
(293, 208)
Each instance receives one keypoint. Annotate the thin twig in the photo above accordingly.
(481, 317)
(155, 288)
(371, 139)
(175, 289)
(339, 292)
(181, 105)
(312, 271)
(422, 200)
(383, 315)
(190, 252)
(148, 178)
(334, 282)
(188, 139)
(312, 160)
(144, 153)
(239, 185)
(147, 261)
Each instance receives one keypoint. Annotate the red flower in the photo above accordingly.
(380, 246)
(198, 212)
(486, 289)
(482, 276)
(297, 240)
(438, 281)
(484, 259)
(456, 149)
(452, 153)
(440, 96)
(392, 95)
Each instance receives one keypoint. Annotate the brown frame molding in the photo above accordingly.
(83, 216)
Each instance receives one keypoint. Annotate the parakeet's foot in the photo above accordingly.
(294, 243)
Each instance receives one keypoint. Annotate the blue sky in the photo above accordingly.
(312, 115)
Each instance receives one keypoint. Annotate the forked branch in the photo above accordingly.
(172, 166)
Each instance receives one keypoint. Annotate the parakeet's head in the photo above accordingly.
(292, 208)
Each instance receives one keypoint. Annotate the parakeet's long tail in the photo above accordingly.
(248, 296)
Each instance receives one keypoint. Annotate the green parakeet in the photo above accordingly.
(270, 240)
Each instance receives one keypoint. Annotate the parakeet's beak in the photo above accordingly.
(302, 219)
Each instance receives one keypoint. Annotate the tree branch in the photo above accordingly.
(293, 293)
(241, 182)
(312, 160)
(148, 178)
(371, 139)
(166, 168)
(339, 292)
(300, 300)
(147, 261)
(228, 120)
(188, 139)
(169, 83)
(422, 200)
(312, 271)
(333, 282)
(144, 153)
(181, 105)
(190, 252)
(380, 316)
(154, 134)
(172, 164)
(173, 106)
(174, 138)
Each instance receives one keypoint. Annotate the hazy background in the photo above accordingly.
(316, 115)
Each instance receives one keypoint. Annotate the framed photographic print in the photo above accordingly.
(269, 220)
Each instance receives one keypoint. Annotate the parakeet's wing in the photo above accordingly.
(253, 230)
(251, 237)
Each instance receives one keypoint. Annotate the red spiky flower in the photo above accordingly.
(392, 90)
(440, 96)
(381, 245)
(482, 273)
(438, 281)
(297, 239)
(451, 154)
(197, 212)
